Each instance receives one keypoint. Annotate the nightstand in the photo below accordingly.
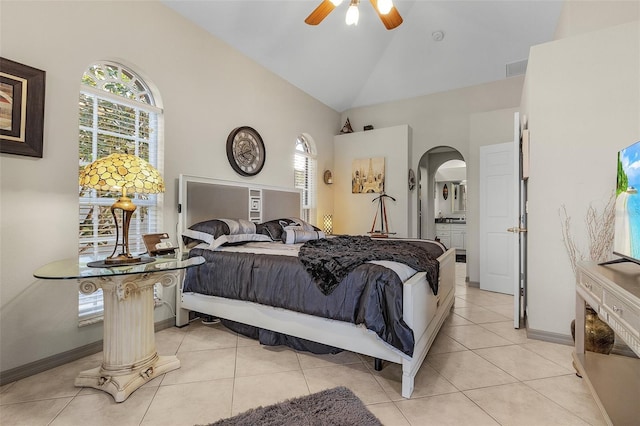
(129, 355)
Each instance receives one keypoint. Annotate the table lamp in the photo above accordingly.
(129, 174)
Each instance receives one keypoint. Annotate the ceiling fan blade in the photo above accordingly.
(392, 19)
(320, 12)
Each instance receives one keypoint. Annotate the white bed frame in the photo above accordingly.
(423, 312)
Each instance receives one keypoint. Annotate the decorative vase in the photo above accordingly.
(598, 336)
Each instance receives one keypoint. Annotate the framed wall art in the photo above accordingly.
(367, 175)
(21, 109)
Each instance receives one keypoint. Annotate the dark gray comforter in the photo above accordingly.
(370, 294)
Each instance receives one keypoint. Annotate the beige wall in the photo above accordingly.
(207, 89)
(462, 119)
(583, 16)
(354, 213)
(583, 105)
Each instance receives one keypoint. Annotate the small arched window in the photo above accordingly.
(305, 174)
(117, 113)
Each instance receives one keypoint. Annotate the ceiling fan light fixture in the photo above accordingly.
(385, 10)
(384, 6)
(352, 13)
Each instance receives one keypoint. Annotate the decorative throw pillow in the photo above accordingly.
(205, 231)
(293, 235)
(217, 232)
(275, 228)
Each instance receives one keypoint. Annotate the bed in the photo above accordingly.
(410, 301)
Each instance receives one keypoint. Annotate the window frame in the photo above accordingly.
(149, 133)
(305, 153)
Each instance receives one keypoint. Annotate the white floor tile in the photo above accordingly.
(479, 315)
(353, 376)
(475, 337)
(521, 363)
(253, 391)
(572, 393)
(466, 370)
(428, 382)
(101, 410)
(506, 378)
(388, 414)
(191, 403)
(505, 329)
(560, 354)
(32, 413)
(518, 404)
(452, 409)
(201, 366)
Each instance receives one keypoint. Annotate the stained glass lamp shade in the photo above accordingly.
(128, 174)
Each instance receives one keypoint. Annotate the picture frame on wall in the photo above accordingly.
(367, 175)
(22, 90)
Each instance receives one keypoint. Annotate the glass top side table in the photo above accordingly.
(130, 358)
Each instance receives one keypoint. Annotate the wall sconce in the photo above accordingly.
(328, 177)
(327, 221)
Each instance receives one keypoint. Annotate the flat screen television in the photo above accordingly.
(626, 243)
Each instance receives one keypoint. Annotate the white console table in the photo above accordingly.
(129, 357)
(613, 291)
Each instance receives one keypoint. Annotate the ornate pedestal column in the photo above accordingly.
(130, 358)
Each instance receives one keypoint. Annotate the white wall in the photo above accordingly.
(207, 89)
(452, 119)
(583, 16)
(354, 213)
(583, 105)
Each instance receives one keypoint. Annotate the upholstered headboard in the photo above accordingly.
(204, 198)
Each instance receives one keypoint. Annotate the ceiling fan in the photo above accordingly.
(384, 8)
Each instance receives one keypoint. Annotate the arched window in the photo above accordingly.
(117, 113)
(305, 174)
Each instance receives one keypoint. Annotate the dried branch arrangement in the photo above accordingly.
(600, 231)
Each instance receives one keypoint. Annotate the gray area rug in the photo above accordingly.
(337, 406)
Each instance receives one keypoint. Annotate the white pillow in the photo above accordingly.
(293, 235)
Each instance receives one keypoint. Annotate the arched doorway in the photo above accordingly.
(434, 172)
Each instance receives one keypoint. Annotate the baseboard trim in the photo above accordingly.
(619, 347)
(548, 336)
(474, 284)
(57, 360)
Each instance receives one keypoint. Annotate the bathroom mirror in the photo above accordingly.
(458, 197)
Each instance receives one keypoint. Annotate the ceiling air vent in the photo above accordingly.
(517, 68)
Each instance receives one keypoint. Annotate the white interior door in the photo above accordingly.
(500, 219)
(498, 212)
(519, 292)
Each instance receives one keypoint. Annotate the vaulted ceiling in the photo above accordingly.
(351, 66)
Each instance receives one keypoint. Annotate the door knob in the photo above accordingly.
(516, 229)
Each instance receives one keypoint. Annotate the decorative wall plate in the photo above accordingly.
(328, 177)
(245, 151)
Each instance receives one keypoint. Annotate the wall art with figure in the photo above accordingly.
(367, 175)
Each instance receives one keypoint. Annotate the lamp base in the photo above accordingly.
(105, 264)
(122, 259)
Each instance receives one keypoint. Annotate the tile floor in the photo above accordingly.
(480, 371)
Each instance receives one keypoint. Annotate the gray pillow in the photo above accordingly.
(275, 228)
(217, 232)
